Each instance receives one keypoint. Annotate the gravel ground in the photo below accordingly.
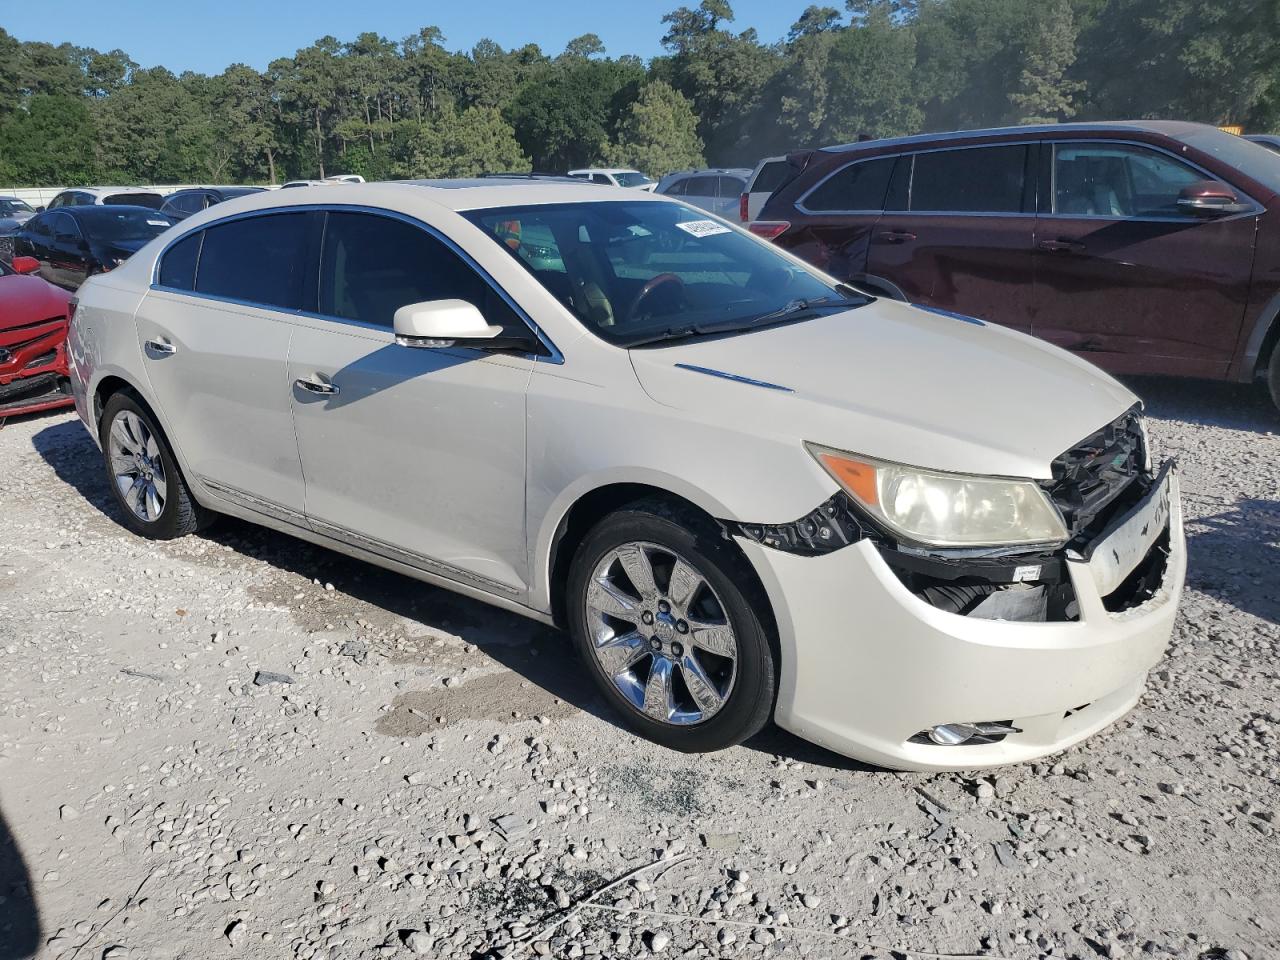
(430, 776)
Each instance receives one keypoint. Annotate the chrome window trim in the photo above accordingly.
(554, 354)
(911, 185)
(1055, 142)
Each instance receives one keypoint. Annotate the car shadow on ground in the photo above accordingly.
(540, 654)
(1235, 406)
(19, 918)
(1235, 556)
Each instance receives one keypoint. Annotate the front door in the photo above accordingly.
(415, 454)
(963, 239)
(1125, 278)
(216, 356)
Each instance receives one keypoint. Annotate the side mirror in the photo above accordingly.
(41, 209)
(449, 323)
(25, 264)
(1209, 198)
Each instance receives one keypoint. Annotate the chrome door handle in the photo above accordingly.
(315, 386)
(161, 346)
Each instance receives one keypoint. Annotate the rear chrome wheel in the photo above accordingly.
(143, 474)
(670, 620)
(135, 462)
(660, 633)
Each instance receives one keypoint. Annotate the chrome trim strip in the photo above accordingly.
(409, 558)
(555, 355)
(736, 378)
(351, 538)
(254, 502)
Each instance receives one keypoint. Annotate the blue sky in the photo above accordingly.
(207, 36)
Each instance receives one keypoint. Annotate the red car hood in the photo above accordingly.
(26, 299)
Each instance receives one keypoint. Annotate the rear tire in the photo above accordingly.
(1273, 376)
(143, 474)
(658, 613)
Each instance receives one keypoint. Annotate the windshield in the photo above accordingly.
(9, 207)
(635, 271)
(1251, 159)
(632, 178)
(116, 224)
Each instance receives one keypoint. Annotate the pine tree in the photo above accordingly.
(1044, 94)
(659, 133)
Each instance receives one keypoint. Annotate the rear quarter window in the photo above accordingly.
(178, 265)
(856, 187)
(771, 176)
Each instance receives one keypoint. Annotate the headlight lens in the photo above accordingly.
(946, 509)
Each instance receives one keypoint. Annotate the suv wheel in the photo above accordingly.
(142, 472)
(669, 637)
(1273, 375)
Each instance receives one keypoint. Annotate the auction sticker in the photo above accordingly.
(702, 228)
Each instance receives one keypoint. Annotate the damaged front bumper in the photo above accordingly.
(881, 646)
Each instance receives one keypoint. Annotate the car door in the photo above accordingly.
(68, 252)
(1124, 276)
(702, 191)
(839, 214)
(415, 454)
(963, 240)
(728, 196)
(214, 335)
(36, 240)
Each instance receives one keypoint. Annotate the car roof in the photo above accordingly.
(96, 210)
(403, 195)
(108, 191)
(1166, 127)
(730, 171)
(605, 170)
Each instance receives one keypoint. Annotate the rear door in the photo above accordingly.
(964, 240)
(1127, 279)
(214, 336)
(702, 191)
(68, 253)
(841, 211)
(729, 191)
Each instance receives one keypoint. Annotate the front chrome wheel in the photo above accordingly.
(661, 634)
(136, 465)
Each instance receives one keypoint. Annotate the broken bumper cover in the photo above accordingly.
(867, 665)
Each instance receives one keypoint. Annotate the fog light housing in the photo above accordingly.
(959, 734)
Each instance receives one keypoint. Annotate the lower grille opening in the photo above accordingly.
(1030, 602)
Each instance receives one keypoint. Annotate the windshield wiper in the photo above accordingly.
(804, 305)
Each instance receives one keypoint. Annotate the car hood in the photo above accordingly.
(26, 299)
(895, 382)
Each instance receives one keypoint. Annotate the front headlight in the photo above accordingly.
(946, 509)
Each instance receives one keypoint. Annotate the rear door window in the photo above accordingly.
(371, 266)
(971, 180)
(859, 187)
(258, 260)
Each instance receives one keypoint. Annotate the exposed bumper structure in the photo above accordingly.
(867, 665)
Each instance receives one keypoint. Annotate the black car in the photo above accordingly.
(73, 243)
(183, 203)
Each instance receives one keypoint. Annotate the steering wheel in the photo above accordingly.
(654, 284)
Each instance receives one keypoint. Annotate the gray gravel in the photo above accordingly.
(240, 745)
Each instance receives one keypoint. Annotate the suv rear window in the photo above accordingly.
(152, 200)
(859, 186)
(770, 177)
(970, 180)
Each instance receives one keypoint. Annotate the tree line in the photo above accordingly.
(413, 108)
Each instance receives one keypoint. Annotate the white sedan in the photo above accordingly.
(746, 490)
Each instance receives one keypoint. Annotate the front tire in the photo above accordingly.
(658, 613)
(144, 477)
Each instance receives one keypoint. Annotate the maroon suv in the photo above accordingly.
(1148, 247)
